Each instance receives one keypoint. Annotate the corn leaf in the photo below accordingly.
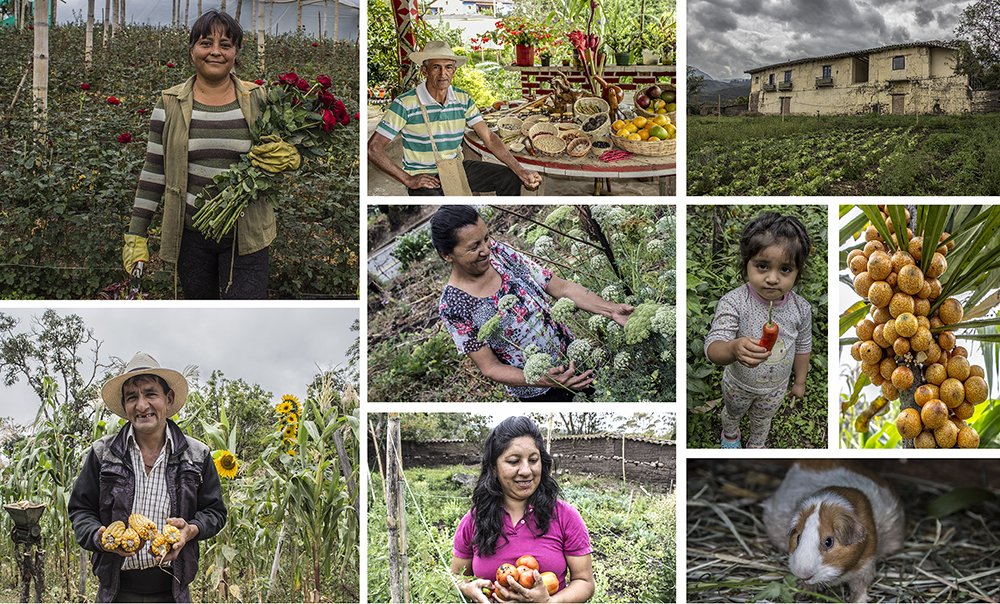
(958, 499)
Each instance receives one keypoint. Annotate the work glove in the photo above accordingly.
(275, 155)
(134, 251)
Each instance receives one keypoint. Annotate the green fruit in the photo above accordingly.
(659, 132)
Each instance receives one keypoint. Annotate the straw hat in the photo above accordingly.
(143, 364)
(436, 49)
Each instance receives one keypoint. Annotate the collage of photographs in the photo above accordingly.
(216, 292)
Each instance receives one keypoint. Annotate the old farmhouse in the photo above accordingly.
(899, 79)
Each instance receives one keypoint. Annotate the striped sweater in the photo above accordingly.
(217, 138)
(447, 122)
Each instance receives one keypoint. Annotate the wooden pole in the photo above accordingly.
(720, 107)
(88, 57)
(40, 78)
(336, 20)
(623, 459)
(392, 508)
(548, 434)
(260, 33)
(107, 18)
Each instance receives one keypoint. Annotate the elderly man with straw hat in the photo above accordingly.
(431, 120)
(148, 467)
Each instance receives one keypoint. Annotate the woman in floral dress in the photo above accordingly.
(500, 308)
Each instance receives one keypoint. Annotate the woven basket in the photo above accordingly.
(530, 121)
(644, 113)
(569, 135)
(601, 130)
(650, 148)
(598, 151)
(543, 128)
(578, 147)
(588, 106)
(547, 144)
(509, 126)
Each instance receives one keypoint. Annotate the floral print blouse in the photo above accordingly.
(527, 321)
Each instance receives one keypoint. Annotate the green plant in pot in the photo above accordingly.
(620, 45)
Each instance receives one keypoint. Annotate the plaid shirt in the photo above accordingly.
(151, 498)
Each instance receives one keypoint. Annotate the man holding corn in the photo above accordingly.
(147, 494)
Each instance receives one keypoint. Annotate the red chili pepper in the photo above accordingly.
(770, 331)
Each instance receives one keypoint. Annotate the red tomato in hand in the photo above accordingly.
(551, 582)
(496, 592)
(528, 561)
(526, 577)
(504, 572)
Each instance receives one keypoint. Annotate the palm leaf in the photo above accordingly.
(936, 218)
(852, 315)
(853, 228)
(898, 215)
(988, 424)
(875, 217)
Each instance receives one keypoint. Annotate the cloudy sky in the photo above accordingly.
(278, 348)
(727, 37)
(157, 12)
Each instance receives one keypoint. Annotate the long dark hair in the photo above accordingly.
(770, 229)
(487, 498)
(445, 224)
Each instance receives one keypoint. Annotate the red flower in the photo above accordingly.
(289, 78)
(125, 138)
(324, 81)
(315, 44)
(302, 85)
(329, 120)
(84, 86)
(170, 64)
(142, 112)
(341, 112)
(113, 101)
(258, 82)
(326, 99)
(357, 115)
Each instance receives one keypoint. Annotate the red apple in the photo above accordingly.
(642, 101)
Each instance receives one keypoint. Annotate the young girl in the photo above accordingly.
(773, 252)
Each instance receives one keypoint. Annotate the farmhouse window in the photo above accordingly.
(770, 79)
(756, 80)
(899, 62)
(826, 72)
(788, 76)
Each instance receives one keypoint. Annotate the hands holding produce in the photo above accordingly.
(518, 582)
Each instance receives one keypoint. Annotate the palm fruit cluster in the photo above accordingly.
(897, 340)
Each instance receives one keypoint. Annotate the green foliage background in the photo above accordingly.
(629, 530)
(801, 426)
(66, 202)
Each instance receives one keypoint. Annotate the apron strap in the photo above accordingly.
(427, 122)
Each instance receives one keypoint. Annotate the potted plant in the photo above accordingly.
(521, 33)
(546, 57)
(620, 45)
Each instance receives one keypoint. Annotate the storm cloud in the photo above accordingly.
(727, 37)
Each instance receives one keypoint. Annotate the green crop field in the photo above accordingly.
(870, 155)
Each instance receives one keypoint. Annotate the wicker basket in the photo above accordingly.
(578, 147)
(530, 121)
(547, 144)
(509, 126)
(568, 135)
(543, 128)
(588, 106)
(599, 151)
(644, 113)
(650, 148)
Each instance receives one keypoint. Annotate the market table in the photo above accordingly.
(638, 166)
(537, 80)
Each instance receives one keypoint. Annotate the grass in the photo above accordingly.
(845, 155)
(629, 528)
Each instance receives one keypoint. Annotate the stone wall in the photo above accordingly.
(985, 101)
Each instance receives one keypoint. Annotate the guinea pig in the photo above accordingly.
(835, 519)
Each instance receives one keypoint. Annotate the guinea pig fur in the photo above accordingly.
(836, 519)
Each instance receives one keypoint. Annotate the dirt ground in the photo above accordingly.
(381, 184)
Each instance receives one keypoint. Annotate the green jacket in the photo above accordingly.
(256, 229)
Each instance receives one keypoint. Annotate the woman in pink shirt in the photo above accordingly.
(516, 512)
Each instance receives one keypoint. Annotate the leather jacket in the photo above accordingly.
(105, 490)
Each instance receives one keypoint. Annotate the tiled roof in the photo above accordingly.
(931, 43)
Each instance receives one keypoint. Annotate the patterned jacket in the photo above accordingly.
(105, 490)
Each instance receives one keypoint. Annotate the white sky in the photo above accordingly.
(281, 349)
(158, 12)
(727, 37)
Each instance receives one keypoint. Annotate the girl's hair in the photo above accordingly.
(770, 229)
(445, 224)
(211, 19)
(487, 498)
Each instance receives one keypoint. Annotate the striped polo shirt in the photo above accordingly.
(447, 121)
(151, 497)
(217, 138)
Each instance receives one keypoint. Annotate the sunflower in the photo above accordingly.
(293, 404)
(289, 418)
(283, 407)
(227, 465)
(291, 431)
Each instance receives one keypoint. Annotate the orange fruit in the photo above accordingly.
(618, 125)
(624, 132)
(634, 137)
(661, 120)
(643, 134)
(639, 121)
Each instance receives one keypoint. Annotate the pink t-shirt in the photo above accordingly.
(567, 536)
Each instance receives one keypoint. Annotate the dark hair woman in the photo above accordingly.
(197, 130)
(516, 511)
(491, 281)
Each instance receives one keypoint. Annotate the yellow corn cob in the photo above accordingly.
(112, 535)
(129, 540)
(159, 546)
(144, 527)
(171, 533)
